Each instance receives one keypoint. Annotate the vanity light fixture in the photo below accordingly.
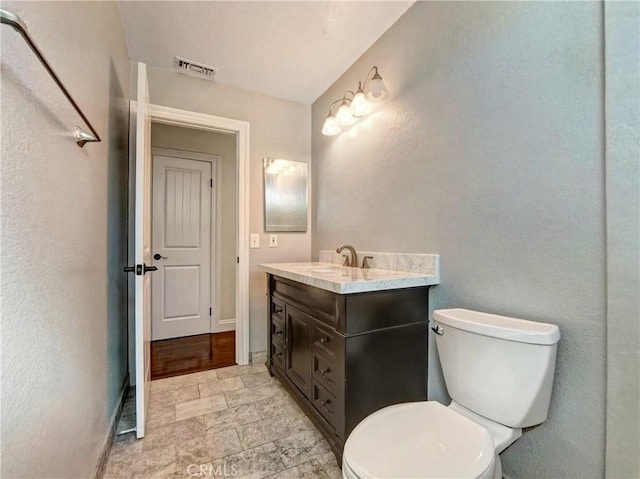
(372, 90)
(359, 105)
(330, 127)
(376, 92)
(344, 116)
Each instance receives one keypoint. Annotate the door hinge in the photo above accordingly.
(209, 311)
(238, 259)
(211, 182)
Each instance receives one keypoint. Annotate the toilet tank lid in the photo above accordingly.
(503, 327)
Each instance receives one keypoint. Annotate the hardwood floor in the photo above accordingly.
(173, 357)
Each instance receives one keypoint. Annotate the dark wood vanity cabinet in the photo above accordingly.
(343, 357)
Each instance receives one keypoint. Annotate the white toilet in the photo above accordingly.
(499, 374)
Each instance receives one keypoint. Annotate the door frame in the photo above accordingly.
(202, 121)
(215, 326)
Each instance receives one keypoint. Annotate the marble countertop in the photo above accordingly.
(344, 280)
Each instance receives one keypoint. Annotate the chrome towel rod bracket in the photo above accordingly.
(81, 136)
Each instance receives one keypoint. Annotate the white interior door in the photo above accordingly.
(142, 250)
(182, 247)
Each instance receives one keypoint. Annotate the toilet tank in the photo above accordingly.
(498, 367)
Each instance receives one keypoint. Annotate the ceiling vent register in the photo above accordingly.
(198, 70)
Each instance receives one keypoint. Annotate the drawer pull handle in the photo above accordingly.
(324, 340)
(277, 310)
(324, 371)
(278, 332)
(277, 354)
(324, 403)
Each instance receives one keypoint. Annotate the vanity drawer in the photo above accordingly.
(277, 330)
(321, 304)
(277, 309)
(324, 371)
(325, 403)
(277, 355)
(326, 340)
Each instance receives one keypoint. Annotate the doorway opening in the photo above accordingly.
(194, 237)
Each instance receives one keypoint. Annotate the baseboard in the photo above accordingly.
(257, 357)
(224, 325)
(111, 432)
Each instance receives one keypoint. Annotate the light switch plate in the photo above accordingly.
(255, 241)
(273, 241)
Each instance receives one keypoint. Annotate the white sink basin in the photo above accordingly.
(328, 269)
(319, 268)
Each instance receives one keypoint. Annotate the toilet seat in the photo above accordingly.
(418, 440)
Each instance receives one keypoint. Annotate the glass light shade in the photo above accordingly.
(359, 105)
(331, 127)
(376, 91)
(344, 115)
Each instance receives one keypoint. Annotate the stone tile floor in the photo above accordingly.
(232, 422)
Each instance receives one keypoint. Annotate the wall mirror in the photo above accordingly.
(285, 195)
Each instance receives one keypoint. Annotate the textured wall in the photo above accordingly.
(63, 239)
(223, 144)
(279, 128)
(622, 54)
(490, 153)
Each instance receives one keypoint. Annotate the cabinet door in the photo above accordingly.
(298, 357)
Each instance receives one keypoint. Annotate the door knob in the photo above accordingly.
(149, 268)
(158, 256)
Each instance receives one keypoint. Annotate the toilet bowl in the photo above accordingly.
(419, 440)
(499, 373)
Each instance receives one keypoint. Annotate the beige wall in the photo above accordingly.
(224, 145)
(490, 152)
(63, 239)
(279, 128)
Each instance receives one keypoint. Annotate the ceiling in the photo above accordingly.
(293, 50)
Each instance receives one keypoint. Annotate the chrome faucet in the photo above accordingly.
(354, 256)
